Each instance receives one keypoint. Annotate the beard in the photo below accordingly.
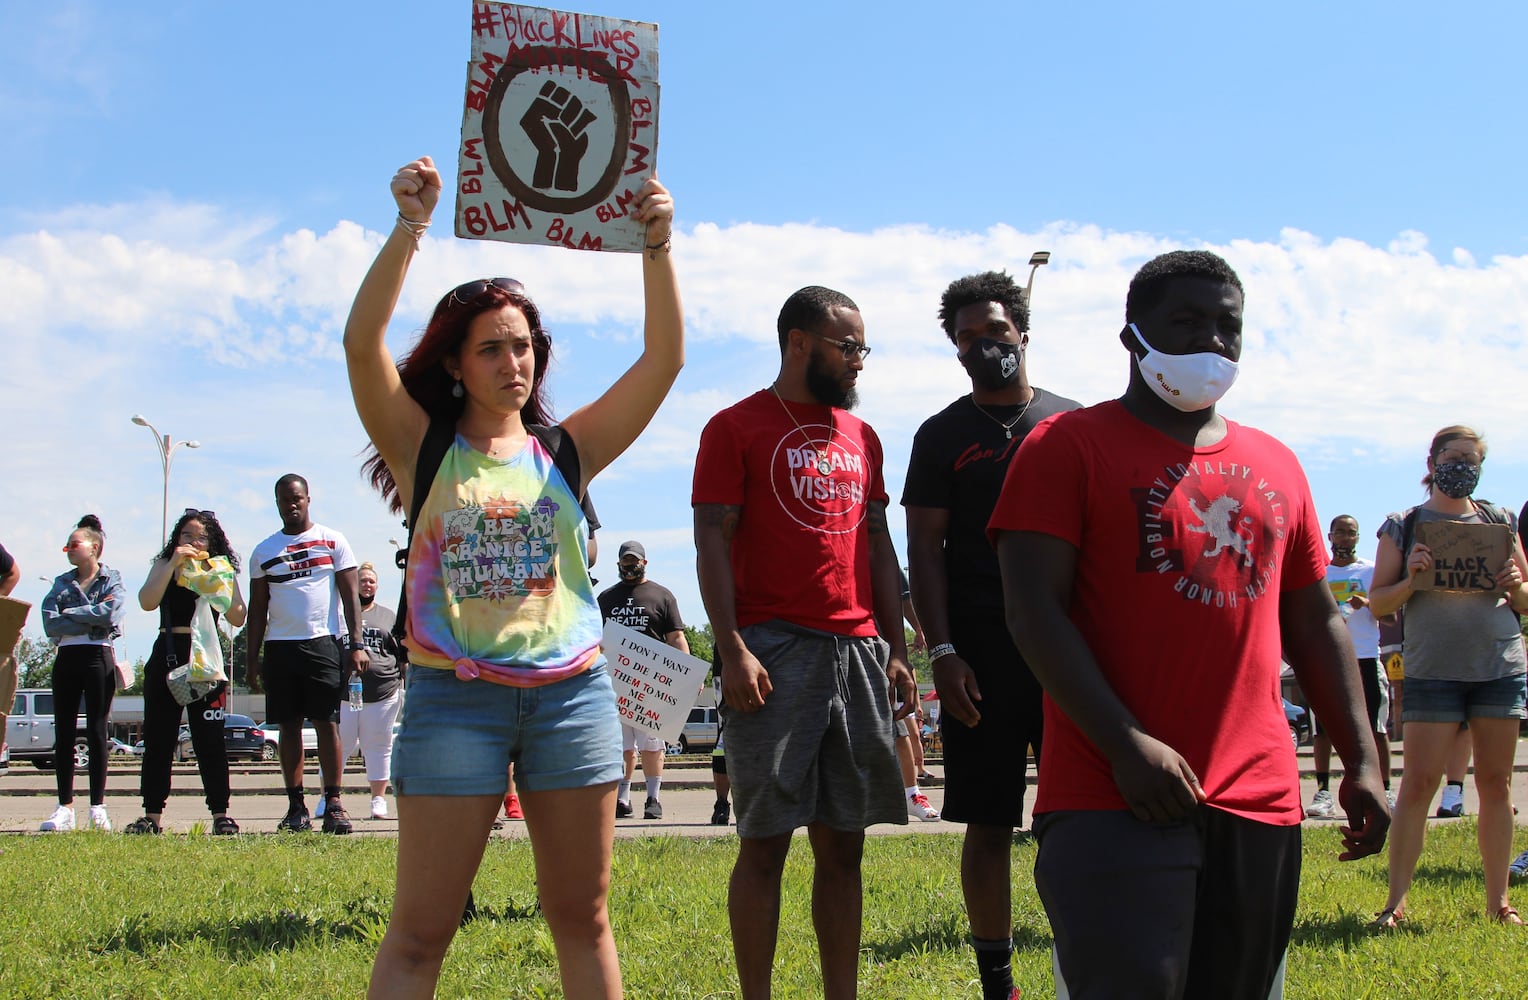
(825, 388)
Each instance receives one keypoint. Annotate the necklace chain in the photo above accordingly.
(1009, 426)
(824, 466)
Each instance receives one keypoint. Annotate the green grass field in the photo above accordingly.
(91, 915)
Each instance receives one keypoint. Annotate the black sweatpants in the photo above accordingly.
(88, 671)
(161, 726)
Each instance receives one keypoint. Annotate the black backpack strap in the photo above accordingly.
(564, 455)
(1408, 534)
(1491, 512)
(432, 451)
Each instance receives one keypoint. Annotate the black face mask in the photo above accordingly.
(631, 574)
(992, 364)
(1343, 553)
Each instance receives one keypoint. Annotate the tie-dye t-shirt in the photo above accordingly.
(498, 571)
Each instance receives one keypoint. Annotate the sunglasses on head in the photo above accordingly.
(200, 513)
(463, 294)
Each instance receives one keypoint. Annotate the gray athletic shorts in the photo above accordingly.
(821, 750)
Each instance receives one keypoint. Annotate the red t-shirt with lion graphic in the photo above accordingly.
(1182, 554)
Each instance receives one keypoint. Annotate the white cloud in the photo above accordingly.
(220, 328)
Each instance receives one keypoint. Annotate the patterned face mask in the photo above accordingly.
(1456, 479)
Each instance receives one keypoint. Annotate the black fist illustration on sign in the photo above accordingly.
(557, 124)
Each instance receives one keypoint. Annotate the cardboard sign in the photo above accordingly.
(1466, 556)
(559, 130)
(13, 617)
(655, 684)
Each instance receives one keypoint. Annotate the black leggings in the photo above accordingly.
(161, 727)
(89, 671)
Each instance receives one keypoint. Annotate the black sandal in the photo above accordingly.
(142, 825)
(224, 826)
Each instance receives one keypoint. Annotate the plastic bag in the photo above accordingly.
(206, 666)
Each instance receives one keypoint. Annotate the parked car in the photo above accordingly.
(700, 731)
(1299, 723)
(118, 747)
(244, 737)
(29, 731)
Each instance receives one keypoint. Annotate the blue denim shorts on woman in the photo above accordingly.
(1459, 701)
(459, 737)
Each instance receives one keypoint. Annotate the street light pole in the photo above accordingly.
(1037, 260)
(167, 446)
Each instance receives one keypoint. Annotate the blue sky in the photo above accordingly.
(195, 189)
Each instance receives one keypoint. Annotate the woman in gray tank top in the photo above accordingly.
(1464, 662)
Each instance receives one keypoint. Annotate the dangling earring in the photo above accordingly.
(456, 389)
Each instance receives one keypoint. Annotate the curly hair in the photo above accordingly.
(217, 541)
(1151, 281)
(989, 286)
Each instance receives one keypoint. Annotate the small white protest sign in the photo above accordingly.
(655, 684)
(559, 128)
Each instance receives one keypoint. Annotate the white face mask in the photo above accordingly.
(1187, 382)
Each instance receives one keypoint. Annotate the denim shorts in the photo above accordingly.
(459, 737)
(1458, 701)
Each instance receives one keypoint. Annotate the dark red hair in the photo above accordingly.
(425, 377)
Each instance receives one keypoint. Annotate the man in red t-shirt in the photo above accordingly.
(1150, 588)
(797, 572)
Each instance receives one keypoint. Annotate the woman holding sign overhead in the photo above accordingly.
(1464, 662)
(502, 625)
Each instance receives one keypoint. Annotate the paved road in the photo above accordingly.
(27, 796)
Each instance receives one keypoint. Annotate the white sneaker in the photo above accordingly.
(1390, 798)
(61, 820)
(99, 820)
(378, 807)
(918, 805)
(1452, 804)
(1322, 805)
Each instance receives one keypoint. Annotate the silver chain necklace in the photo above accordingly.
(823, 465)
(1009, 426)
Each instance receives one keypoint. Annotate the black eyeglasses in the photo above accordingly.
(200, 513)
(850, 348)
(463, 294)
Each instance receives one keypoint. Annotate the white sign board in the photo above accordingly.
(655, 684)
(559, 130)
